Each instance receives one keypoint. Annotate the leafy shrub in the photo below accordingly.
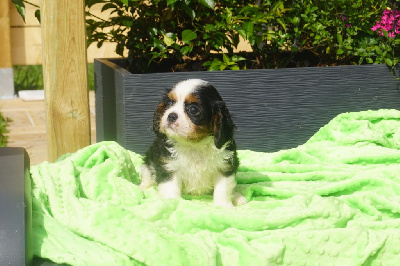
(160, 33)
(326, 32)
(30, 77)
(285, 33)
(3, 130)
(165, 35)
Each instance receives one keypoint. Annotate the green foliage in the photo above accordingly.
(339, 32)
(163, 32)
(156, 32)
(327, 32)
(3, 130)
(226, 63)
(20, 6)
(286, 33)
(30, 77)
(282, 33)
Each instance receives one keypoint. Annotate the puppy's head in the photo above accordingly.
(193, 110)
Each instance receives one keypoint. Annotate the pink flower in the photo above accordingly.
(390, 22)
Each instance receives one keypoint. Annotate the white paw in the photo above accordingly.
(170, 189)
(168, 195)
(143, 186)
(238, 199)
(147, 178)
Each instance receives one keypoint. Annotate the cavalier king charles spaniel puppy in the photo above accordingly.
(194, 151)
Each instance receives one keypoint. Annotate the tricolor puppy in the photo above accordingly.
(194, 151)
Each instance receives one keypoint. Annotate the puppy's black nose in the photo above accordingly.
(172, 117)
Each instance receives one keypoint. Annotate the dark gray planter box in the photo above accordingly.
(15, 207)
(273, 109)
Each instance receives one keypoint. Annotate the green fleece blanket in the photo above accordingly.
(334, 201)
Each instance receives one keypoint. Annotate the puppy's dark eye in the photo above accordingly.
(169, 102)
(193, 110)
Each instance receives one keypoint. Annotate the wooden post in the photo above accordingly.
(65, 76)
(6, 71)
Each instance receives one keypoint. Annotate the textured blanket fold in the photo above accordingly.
(334, 200)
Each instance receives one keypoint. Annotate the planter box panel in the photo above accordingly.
(15, 207)
(106, 73)
(273, 109)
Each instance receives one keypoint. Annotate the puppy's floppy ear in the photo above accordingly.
(160, 110)
(157, 116)
(223, 124)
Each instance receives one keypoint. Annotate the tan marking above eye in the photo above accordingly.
(191, 98)
(172, 96)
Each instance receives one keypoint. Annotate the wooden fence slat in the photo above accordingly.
(65, 76)
(5, 39)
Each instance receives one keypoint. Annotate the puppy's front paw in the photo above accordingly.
(169, 195)
(238, 199)
(170, 189)
(143, 186)
(147, 178)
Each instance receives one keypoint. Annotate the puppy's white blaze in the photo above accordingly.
(197, 164)
(187, 87)
(223, 191)
(170, 189)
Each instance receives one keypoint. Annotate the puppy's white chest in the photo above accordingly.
(197, 167)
